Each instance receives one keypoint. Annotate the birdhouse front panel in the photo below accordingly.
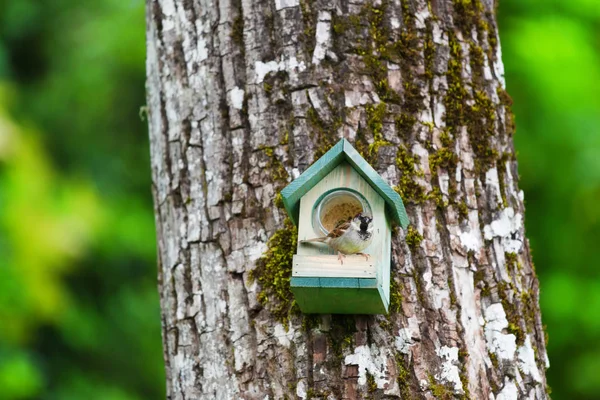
(344, 211)
(322, 280)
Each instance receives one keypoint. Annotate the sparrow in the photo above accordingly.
(349, 237)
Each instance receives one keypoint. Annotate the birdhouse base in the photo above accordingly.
(323, 285)
(339, 296)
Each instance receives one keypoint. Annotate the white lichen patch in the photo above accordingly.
(353, 98)
(404, 340)
(281, 4)
(283, 337)
(301, 390)
(322, 37)
(526, 358)
(450, 372)
(441, 298)
(470, 318)
(421, 16)
(499, 65)
(509, 391)
(491, 180)
(369, 360)
(504, 227)
(290, 65)
(236, 98)
(499, 343)
(471, 239)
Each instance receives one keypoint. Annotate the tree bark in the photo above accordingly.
(243, 96)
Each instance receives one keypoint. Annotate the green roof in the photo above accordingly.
(343, 151)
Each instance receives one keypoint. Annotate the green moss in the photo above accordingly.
(408, 188)
(413, 238)
(437, 196)
(481, 117)
(452, 292)
(467, 13)
(309, 322)
(278, 171)
(443, 158)
(438, 390)
(518, 332)
(501, 167)
(419, 285)
(371, 384)
(428, 50)
(404, 124)
(278, 201)
(267, 87)
(456, 95)
(376, 50)
(488, 27)
(309, 20)
(462, 357)
(237, 31)
(339, 24)
(413, 100)
(375, 116)
(396, 298)
(270, 24)
(509, 117)
(530, 310)
(273, 271)
(340, 335)
(476, 62)
(312, 393)
(463, 210)
(511, 259)
(494, 360)
(403, 377)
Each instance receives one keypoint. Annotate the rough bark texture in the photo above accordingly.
(243, 97)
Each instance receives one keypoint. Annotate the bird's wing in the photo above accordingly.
(339, 230)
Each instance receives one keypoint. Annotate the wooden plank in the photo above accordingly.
(329, 266)
(385, 301)
(386, 260)
(304, 282)
(339, 301)
(339, 282)
(367, 283)
(307, 298)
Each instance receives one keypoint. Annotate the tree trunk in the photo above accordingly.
(243, 96)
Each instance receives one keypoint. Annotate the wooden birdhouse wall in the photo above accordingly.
(319, 282)
(317, 260)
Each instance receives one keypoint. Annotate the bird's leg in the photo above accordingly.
(365, 255)
(341, 257)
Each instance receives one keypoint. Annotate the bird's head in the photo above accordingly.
(363, 222)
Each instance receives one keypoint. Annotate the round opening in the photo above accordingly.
(337, 207)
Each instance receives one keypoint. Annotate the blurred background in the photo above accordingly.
(79, 311)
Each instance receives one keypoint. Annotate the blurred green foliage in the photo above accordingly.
(551, 53)
(79, 310)
(79, 314)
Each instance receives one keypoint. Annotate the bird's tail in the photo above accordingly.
(321, 239)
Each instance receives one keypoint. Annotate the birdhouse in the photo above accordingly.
(333, 190)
